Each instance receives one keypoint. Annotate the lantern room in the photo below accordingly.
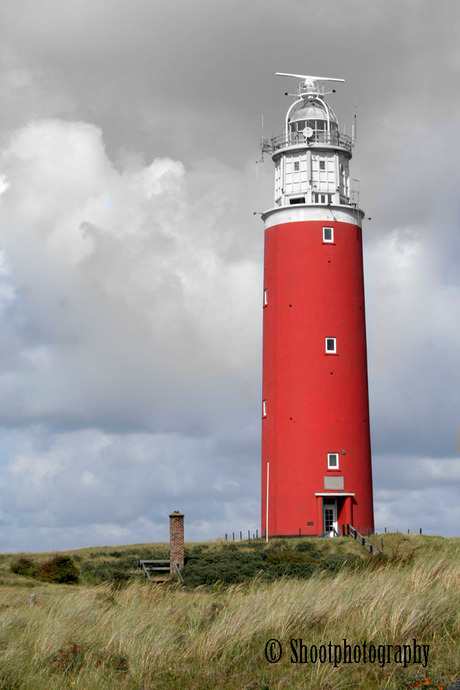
(311, 156)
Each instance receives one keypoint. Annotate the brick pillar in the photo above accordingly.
(176, 540)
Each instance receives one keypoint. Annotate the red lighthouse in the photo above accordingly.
(316, 453)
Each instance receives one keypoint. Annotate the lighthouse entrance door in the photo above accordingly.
(330, 517)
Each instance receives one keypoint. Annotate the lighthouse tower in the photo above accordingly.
(316, 453)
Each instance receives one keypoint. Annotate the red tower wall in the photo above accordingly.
(316, 403)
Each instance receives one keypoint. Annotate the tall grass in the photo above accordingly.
(146, 636)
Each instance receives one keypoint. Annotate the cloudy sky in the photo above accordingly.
(131, 261)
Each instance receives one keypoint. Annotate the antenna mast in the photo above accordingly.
(354, 128)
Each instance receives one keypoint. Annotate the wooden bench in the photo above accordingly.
(154, 566)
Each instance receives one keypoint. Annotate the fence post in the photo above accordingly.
(257, 533)
(233, 536)
(225, 536)
(420, 530)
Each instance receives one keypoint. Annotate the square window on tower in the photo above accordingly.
(296, 166)
(328, 235)
(322, 165)
(332, 461)
(331, 346)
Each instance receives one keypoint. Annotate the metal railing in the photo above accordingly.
(297, 138)
(351, 531)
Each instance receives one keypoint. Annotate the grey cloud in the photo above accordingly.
(132, 307)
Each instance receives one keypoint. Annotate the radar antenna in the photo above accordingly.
(309, 86)
(307, 77)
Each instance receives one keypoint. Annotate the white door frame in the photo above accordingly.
(333, 507)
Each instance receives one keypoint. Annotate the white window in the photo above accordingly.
(265, 298)
(328, 234)
(322, 165)
(331, 345)
(296, 166)
(264, 408)
(332, 461)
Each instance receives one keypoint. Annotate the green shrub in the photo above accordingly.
(58, 569)
(227, 565)
(306, 546)
(335, 562)
(120, 578)
(276, 545)
(116, 571)
(238, 562)
(300, 571)
(24, 566)
(290, 557)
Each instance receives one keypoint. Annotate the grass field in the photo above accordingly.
(136, 635)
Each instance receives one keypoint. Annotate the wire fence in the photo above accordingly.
(233, 536)
(240, 535)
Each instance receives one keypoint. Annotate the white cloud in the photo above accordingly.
(134, 304)
(142, 298)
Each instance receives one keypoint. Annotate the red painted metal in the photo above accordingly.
(316, 403)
